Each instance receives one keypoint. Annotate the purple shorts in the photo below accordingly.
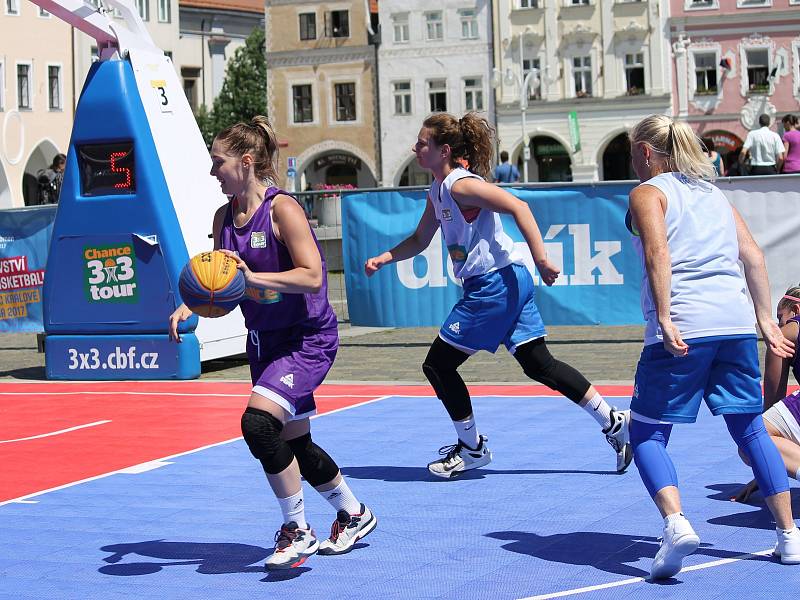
(287, 365)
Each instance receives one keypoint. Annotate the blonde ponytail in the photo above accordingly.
(676, 141)
(257, 138)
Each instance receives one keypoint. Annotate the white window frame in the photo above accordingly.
(401, 23)
(356, 81)
(164, 16)
(143, 8)
(796, 67)
(465, 91)
(403, 94)
(60, 107)
(290, 84)
(428, 91)
(429, 22)
(643, 65)
(30, 84)
(691, 5)
(531, 4)
(704, 102)
(469, 22)
(749, 4)
(576, 3)
(16, 8)
(794, 2)
(535, 93)
(2, 85)
(744, 78)
(573, 93)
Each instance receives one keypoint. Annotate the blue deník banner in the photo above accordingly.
(583, 227)
(24, 238)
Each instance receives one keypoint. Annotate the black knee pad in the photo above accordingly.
(262, 432)
(539, 364)
(316, 466)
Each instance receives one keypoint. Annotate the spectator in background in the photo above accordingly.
(505, 172)
(736, 166)
(712, 153)
(791, 144)
(764, 147)
(50, 179)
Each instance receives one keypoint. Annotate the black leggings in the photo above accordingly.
(443, 360)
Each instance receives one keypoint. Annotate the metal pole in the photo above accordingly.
(522, 109)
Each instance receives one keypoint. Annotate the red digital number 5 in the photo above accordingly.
(115, 169)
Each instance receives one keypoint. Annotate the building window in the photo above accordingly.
(23, 86)
(308, 26)
(705, 73)
(434, 26)
(345, 101)
(437, 95)
(535, 87)
(402, 97)
(191, 76)
(143, 6)
(757, 70)
(338, 24)
(582, 73)
(578, 2)
(301, 100)
(12, 7)
(753, 3)
(401, 31)
(473, 93)
(634, 74)
(700, 4)
(43, 13)
(469, 24)
(529, 3)
(164, 11)
(54, 87)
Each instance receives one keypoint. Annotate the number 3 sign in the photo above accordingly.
(160, 89)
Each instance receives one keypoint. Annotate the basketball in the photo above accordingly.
(211, 285)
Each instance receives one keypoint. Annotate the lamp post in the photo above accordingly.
(531, 78)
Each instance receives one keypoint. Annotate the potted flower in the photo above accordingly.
(329, 203)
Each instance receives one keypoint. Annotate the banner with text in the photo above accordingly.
(24, 240)
(584, 230)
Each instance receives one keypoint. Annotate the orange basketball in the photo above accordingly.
(211, 285)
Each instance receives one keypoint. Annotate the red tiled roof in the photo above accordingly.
(255, 6)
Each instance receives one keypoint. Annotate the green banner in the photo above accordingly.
(574, 131)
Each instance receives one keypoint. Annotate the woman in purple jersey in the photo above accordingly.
(782, 412)
(292, 339)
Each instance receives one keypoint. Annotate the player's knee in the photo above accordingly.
(316, 466)
(262, 433)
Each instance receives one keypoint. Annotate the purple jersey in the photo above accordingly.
(268, 310)
(796, 359)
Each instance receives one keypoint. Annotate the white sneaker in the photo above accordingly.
(618, 435)
(293, 546)
(346, 530)
(679, 541)
(788, 546)
(458, 458)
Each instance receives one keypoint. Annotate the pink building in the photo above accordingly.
(732, 61)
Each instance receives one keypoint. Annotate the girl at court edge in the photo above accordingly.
(499, 304)
(700, 338)
(292, 339)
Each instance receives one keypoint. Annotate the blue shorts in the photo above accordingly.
(722, 370)
(497, 307)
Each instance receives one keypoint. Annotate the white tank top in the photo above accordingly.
(708, 290)
(475, 247)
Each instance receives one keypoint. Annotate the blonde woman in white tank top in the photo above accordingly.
(700, 341)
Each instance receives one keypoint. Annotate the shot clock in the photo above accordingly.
(136, 201)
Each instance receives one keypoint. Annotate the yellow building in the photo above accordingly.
(321, 90)
(36, 97)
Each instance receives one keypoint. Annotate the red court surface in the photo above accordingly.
(56, 434)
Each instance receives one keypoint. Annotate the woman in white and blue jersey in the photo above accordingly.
(499, 294)
(700, 337)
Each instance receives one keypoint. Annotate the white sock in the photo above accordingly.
(467, 432)
(294, 509)
(600, 410)
(341, 498)
(674, 517)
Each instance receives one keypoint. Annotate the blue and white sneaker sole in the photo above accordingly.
(301, 558)
(482, 462)
(368, 527)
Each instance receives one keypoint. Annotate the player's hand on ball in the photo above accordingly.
(181, 314)
(240, 264)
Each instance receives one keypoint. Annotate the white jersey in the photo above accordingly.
(475, 247)
(708, 296)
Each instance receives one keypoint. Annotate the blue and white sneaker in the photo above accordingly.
(618, 435)
(293, 546)
(346, 530)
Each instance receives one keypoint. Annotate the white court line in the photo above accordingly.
(613, 584)
(22, 499)
(342, 395)
(60, 431)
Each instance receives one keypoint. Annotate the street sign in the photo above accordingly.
(574, 131)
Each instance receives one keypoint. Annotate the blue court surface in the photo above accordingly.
(548, 518)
